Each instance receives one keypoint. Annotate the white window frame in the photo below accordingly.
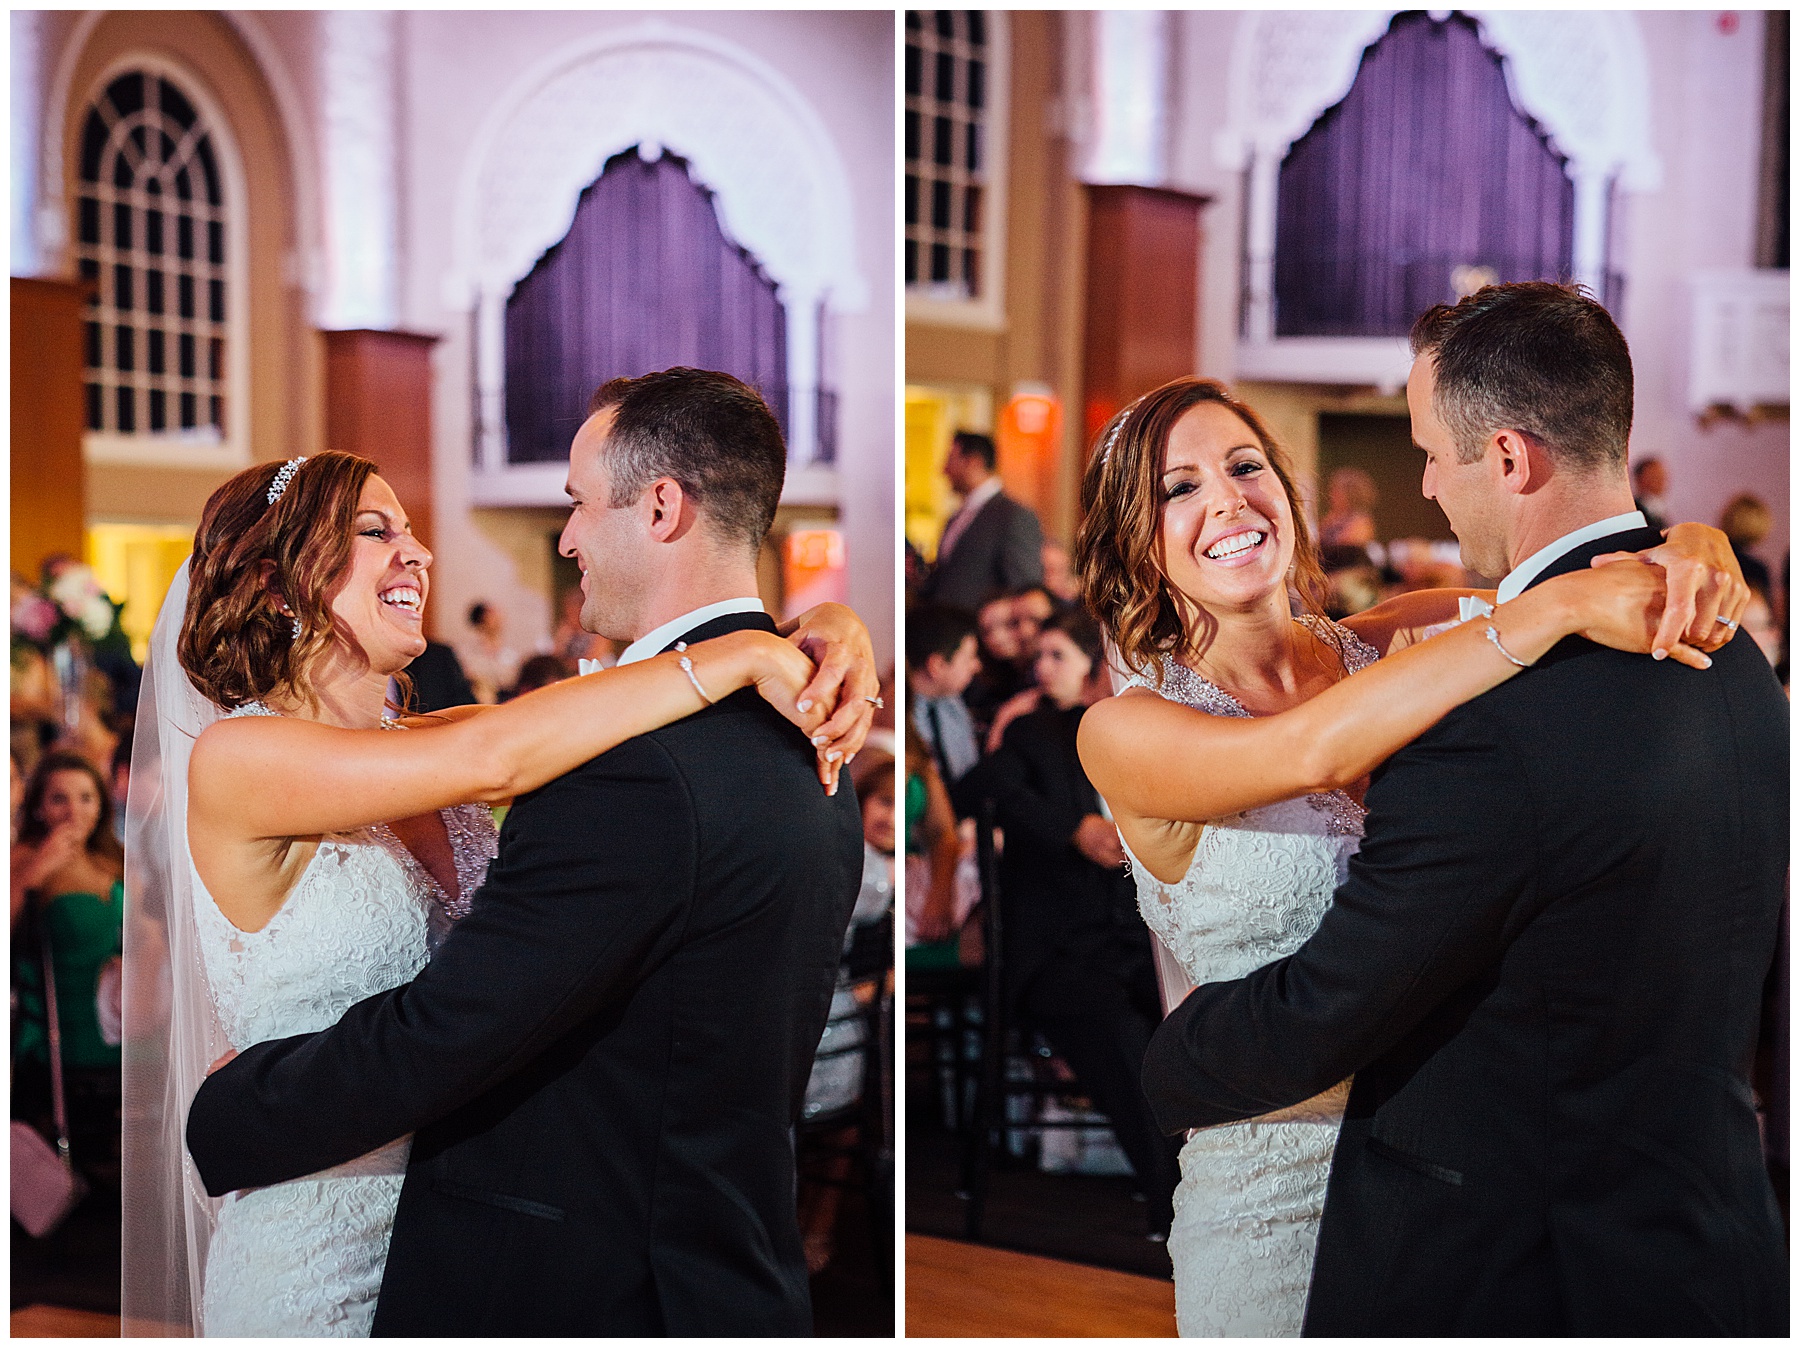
(987, 310)
(180, 449)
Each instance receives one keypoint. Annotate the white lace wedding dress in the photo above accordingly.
(1251, 1193)
(305, 1258)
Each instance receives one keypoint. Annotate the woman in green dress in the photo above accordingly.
(69, 865)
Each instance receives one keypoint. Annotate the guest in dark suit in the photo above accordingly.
(992, 543)
(1546, 965)
(602, 1064)
(1076, 954)
(438, 680)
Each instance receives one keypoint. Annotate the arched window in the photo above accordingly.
(1424, 183)
(645, 279)
(151, 234)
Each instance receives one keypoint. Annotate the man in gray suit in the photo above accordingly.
(992, 543)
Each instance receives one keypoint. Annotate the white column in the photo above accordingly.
(490, 392)
(27, 128)
(803, 377)
(1259, 246)
(1590, 229)
(1130, 98)
(358, 57)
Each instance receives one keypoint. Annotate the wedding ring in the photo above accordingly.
(1729, 622)
(882, 702)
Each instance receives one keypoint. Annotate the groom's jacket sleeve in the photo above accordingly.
(1441, 885)
(591, 890)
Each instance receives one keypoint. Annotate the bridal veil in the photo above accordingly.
(171, 1032)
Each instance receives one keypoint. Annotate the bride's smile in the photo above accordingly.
(1227, 529)
(382, 601)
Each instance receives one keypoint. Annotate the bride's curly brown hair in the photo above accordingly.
(250, 558)
(1121, 522)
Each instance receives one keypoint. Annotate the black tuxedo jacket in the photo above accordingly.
(1544, 970)
(1054, 900)
(1002, 548)
(602, 1063)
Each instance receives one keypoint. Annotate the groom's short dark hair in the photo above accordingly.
(709, 431)
(1533, 356)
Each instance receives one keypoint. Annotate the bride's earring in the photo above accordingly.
(288, 612)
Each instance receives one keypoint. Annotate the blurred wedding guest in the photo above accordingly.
(1758, 623)
(67, 869)
(574, 644)
(1030, 619)
(490, 663)
(1033, 606)
(933, 851)
(1077, 959)
(1059, 573)
(868, 951)
(1649, 485)
(992, 542)
(1349, 519)
(1746, 521)
(1005, 660)
(438, 680)
(539, 672)
(18, 795)
(941, 659)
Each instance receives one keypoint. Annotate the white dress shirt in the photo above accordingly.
(1535, 565)
(653, 643)
(1473, 606)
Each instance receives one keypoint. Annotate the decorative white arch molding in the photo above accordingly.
(778, 182)
(1584, 77)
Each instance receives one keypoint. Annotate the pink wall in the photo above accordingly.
(1705, 100)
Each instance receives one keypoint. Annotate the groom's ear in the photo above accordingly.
(1520, 463)
(670, 510)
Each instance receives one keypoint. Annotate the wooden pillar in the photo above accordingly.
(1143, 295)
(378, 405)
(49, 476)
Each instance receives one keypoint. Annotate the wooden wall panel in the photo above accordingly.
(378, 405)
(1143, 295)
(49, 478)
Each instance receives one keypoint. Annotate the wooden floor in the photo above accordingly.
(53, 1322)
(954, 1290)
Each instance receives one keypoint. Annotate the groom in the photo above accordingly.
(602, 1064)
(1545, 966)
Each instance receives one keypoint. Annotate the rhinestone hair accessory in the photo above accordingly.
(285, 476)
(1118, 427)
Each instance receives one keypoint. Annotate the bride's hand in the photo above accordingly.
(1621, 605)
(847, 684)
(1706, 590)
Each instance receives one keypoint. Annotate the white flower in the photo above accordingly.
(97, 616)
(73, 588)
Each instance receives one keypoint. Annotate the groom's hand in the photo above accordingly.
(229, 1055)
(846, 682)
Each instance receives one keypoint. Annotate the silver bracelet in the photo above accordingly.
(1493, 635)
(687, 667)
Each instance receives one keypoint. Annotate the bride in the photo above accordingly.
(1190, 537)
(287, 858)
